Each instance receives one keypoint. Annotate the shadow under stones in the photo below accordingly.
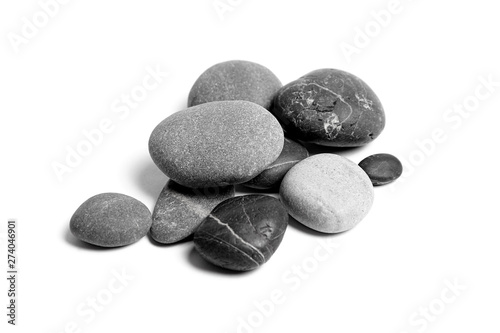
(315, 149)
(72, 240)
(158, 244)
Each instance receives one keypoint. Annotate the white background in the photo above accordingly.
(438, 223)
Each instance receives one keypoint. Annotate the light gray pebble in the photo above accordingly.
(327, 193)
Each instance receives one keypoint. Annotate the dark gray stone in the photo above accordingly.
(382, 168)
(330, 107)
(242, 233)
(272, 176)
(235, 80)
(216, 144)
(111, 220)
(180, 210)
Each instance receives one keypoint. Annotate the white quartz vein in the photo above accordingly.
(237, 236)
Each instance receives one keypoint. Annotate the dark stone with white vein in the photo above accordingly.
(330, 107)
(242, 233)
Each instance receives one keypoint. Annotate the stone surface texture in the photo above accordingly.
(292, 153)
(242, 233)
(179, 210)
(111, 220)
(235, 80)
(327, 193)
(216, 144)
(330, 107)
(382, 168)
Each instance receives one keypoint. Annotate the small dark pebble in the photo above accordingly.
(382, 168)
(242, 233)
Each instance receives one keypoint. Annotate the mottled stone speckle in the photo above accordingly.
(330, 107)
(242, 233)
(216, 144)
(111, 220)
(179, 210)
(235, 80)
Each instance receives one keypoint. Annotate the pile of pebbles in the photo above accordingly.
(243, 127)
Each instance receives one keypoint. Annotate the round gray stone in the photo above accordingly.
(292, 153)
(111, 220)
(235, 80)
(216, 144)
(327, 193)
(180, 210)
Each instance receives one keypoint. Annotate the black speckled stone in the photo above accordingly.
(216, 144)
(272, 176)
(180, 210)
(235, 80)
(330, 107)
(110, 220)
(382, 168)
(242, 233)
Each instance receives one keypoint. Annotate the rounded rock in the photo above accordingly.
(382, 168)
(216, 144)
(179, 210)
(292, 153)
(330, 107)
(242, 233)
(235, 80)
(111, 220)
(327, 193)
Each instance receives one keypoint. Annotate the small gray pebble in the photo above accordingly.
(180, 210)
(382, 168)
(216, 144)
(242, 233)
(235, 80)
(292, 153)
(111, 220)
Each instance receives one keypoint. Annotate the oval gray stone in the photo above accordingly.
(216, 144)
(242, 233)
(327, 193)
(292, 153)
(110, 220)
(235, 80)
(180, 210)
(330, 107)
